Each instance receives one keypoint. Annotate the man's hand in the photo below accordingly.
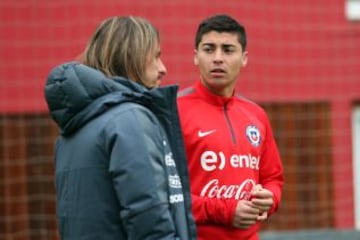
(246, 214)
(263, 200)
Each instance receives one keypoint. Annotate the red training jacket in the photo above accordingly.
(230, 148)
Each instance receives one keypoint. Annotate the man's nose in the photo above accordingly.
(218, 56)
(162, 68)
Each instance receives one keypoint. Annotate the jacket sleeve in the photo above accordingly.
(139, 178)
(271, 168)
(213, 210)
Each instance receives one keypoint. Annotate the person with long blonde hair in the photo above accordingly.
(120, 163)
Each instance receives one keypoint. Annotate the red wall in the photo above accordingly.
(298, 51)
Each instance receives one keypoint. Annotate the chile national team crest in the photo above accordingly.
(253, 135)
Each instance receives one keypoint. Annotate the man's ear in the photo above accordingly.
(196, 61)
(244, 59)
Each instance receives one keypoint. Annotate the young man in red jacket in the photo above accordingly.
(235, 169)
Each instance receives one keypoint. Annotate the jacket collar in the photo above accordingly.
(75, 94)
(211, 97)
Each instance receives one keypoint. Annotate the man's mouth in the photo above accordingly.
(217, 72)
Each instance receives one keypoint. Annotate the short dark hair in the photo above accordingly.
(221, 23)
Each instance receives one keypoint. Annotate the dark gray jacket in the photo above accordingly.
(121, 170)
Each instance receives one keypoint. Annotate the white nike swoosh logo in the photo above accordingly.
(203, 134)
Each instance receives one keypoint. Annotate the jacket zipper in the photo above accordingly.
(229, 124)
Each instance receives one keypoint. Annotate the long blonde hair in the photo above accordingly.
(120, 46)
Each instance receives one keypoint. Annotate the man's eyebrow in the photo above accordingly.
(225, 45)
(209, 44)
(158, 53)
(228, 45)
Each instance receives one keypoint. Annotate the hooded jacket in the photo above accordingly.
(121, 171)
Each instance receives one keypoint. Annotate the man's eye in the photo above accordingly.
(228, 50)
(208, 50)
